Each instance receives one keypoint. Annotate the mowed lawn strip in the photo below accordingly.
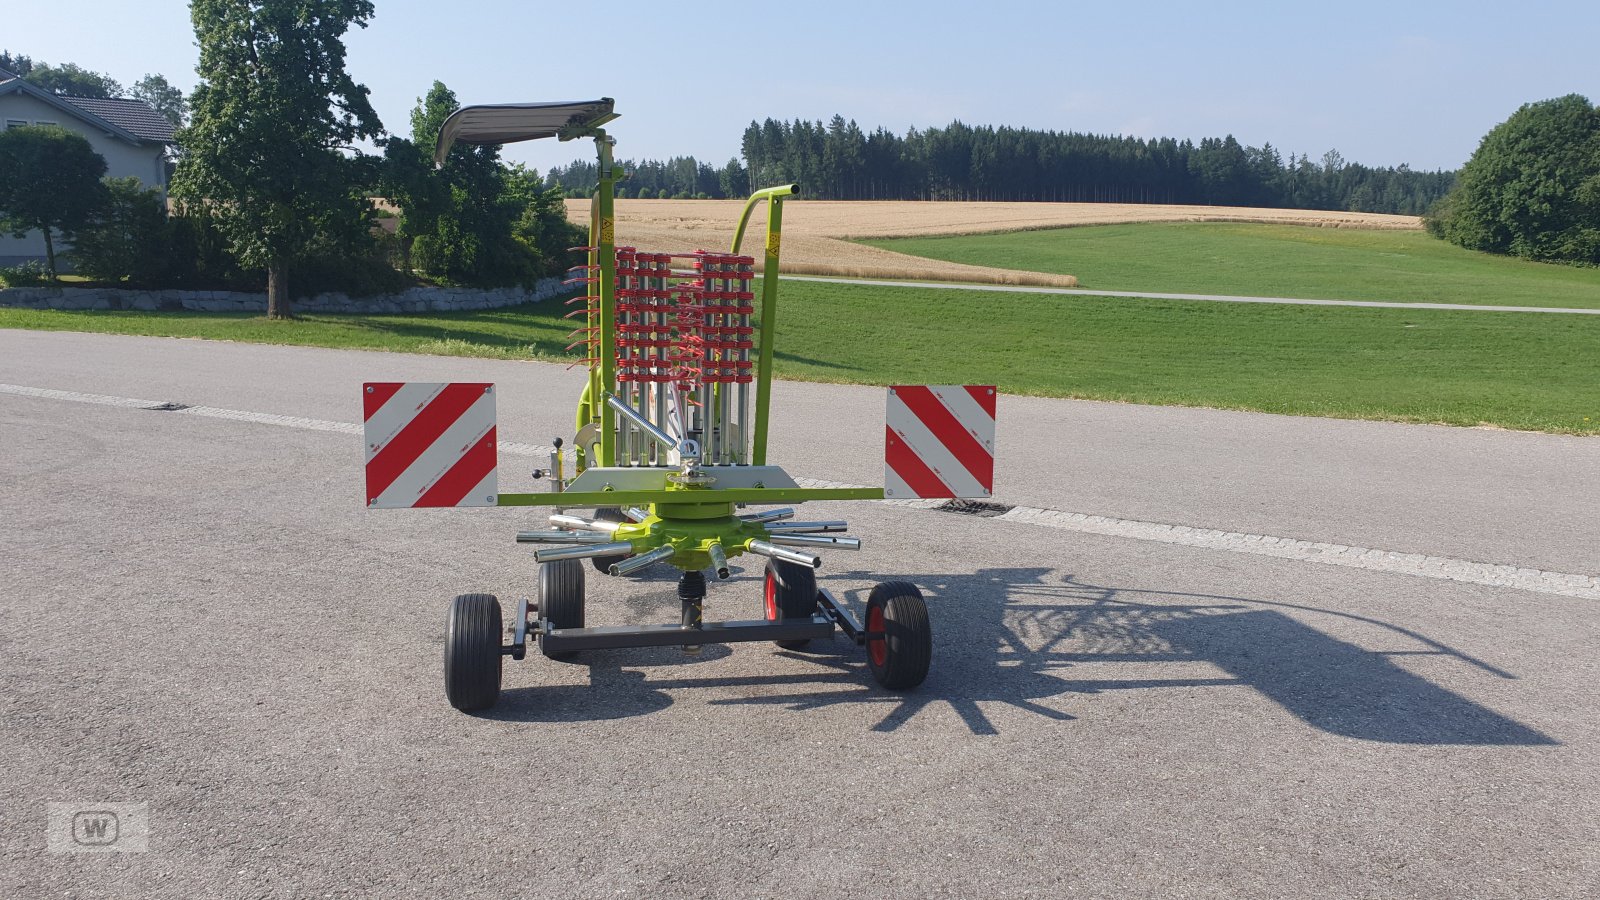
(1514, 370)
(532, 331)
(1270, 261)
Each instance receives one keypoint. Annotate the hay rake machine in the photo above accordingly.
(670, 451)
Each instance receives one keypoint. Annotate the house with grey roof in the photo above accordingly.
(131, 136)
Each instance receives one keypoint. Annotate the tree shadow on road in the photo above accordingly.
(1014, 638)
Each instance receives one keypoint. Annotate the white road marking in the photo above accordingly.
(1563, 584)
(1416, 564)
(1215, 298)
(101, 399)
(237, 415)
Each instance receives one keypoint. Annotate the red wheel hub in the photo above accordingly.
(770, 590)
(877, 647)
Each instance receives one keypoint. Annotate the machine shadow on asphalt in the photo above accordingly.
(1022, 631)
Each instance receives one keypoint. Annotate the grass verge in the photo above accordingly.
(1270, 261)
(1521, 371)
(531, 331)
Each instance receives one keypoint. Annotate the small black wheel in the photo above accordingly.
(790, 592)
(472, 652)
(561, 596)
(900, 638)
(603, 564)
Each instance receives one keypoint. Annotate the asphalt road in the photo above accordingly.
(198, 614)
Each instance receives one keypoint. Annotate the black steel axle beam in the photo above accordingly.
(831, 613)
(612, 637)
(838, 615)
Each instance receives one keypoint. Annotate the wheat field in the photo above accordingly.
(817, 234)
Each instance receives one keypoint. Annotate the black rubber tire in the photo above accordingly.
(899, 659)
(561, 597)
(472, 652)
(789, 591)
(603, 564)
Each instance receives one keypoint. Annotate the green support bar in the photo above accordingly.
(592, 388)
(605, 199)
(769, 304)
(586, 499)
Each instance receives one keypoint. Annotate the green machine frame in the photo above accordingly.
(667, 505)
(691, 507)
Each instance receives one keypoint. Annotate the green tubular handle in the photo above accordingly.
(771, 193)
(769, 304)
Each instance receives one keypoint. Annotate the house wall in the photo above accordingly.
(141, 161)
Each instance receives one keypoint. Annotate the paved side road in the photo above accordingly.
(1214, 298)
(199, 615)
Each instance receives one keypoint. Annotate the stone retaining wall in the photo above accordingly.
(417, 299)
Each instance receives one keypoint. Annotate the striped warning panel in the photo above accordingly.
(939, 441)
(429, 444)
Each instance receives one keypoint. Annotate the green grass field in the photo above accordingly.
(1270, 261)
(1515, 370)
(535, 331)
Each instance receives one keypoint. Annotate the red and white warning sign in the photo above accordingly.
(939, 441)
(430, 444)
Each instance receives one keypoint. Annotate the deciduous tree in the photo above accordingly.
(475, 220)
(49, 181)
(733, 179)
(1532, 189)
(461, 230)
(126, 237)
(275, 115)
(74, 81)
(166, 99)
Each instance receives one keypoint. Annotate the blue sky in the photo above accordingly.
(1384, 83)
